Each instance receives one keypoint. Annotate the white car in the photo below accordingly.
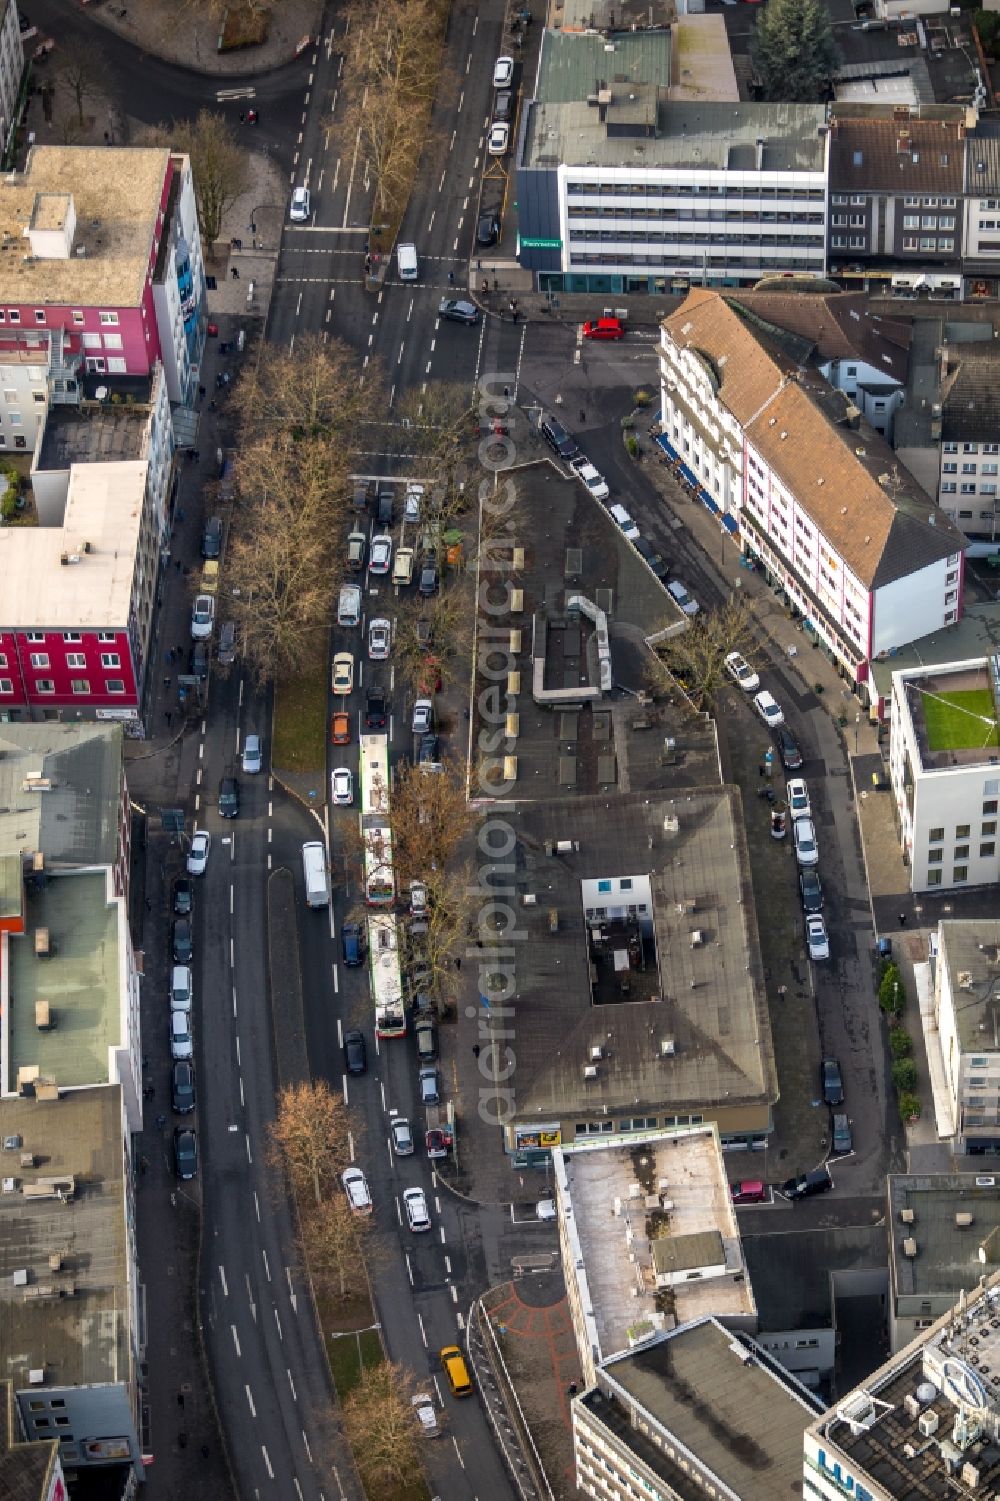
(252, 757)
(499, 139)
(768, 708)
(418, 898)
(741, 672)
(412, 501)
(594, 481)
(816, 938)
(343, 672)
(621, 517)
(181, 1041)
(806, 849)
(680, 596)
(503, 72)
(299, 210)
(798, 798)
(380, 556)
(415, 1204)
(423, 1411)
(202, 617)
(356, 1189)
(402, 1137)
(201, 843)
(423, 717)
(181, 987)
(379, 639)
(342, 781)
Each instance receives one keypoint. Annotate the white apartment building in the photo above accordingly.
(11, 71)
(865, 556)
(944, 766)
(967, 1012)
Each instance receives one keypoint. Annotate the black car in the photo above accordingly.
(429, 753)
(376, 708)
(182, 1086)
(455, 310)
(385, 507)
(185, 1152)
(182, 940)
(807, 1184)
(811, 888)
(355, 1054)
(426, 1036)
(183, 897)
(352, 943)
(430, 578)
(199, 660)
(211, 538)
(832, 1081)
(229, 797)
(558, 438)
(488, 229)
(791, 756)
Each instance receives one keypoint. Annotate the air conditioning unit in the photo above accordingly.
(590, 1072)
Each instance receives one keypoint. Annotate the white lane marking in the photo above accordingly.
(253, 1410)
(458, 1451)
(309, 1452)
(291, 1383)
(256, 1205)
(454, 1293)
(267, 1267)
(236, 1341)
(249, 1152)
(231, 899)
(292, 1296)
(441, 1233)
(447, 1265)
(277, 1320)
(409, 1269)
(267, 1461)
(225, 1284)
(423, 1331)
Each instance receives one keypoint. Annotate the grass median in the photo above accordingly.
(300, 708)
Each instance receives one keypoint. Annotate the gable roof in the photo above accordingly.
(896, 156)
(838, 326)
(746, 371)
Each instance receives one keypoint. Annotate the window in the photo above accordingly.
(77, 317)
(990, 807)
(39, 315)
(987, 851)
(934, 857)
(989, 827)
(858, 200)
(962, 831)
(45, 685)
(79, 685)
(34, 636)
(114, 685)
(909, 242)
(949, 487)
(949, 448)
(949, 468)
(961, 852)
(960, 874)
(108, 320)
(946, 246)
(911, 221)
(112, 659)
(13, 315)
(76, 659)
(625, 884)
(6, 685)
(604, 885)
(934, 878)
(929, 222)
(968, 468)
(936, 836)
(927, 242)
(39, 659)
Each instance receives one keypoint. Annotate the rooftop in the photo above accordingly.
(702, 137)
(101, 528)
(969, 952)
(702, 60)
(948, 1260)
(70, 1321)
(75, 820)
(953, 715)
(877, 150)
(717, 1394)
(793, 1274)
(27, 1469)
(614, 1198)
(573, 65)
(78, 435)
(833, 326)
(705, 1038)
(81, 978)
(615, 17)
(116, 197)
(926, 1425)
(975, 635)
(954, 388)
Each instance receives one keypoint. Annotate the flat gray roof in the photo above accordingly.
(75, 820)
(947, 1259)
(741, 1417)
(80, 978)
(700, 137)
(573, 65)
(78, 1330)
(73, 435)
(711, 1003)
(971, 953)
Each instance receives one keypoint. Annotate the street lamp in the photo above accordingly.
(857, 730)
(252, 226)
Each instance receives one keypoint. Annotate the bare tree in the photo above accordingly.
(697, 657)
(420, 661)
(310, 393)
(436, 951)
(430, 816)
(310, 1138)
(84, 73)
(219, 164)
(382, 1429)
(334, 1241)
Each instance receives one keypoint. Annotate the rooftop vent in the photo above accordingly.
(596, 1053)
(909, 1247)
(928, 1423)
(668, 1047)
(965, 979)
(963, 1221)
(907, 1216)
(590, 1072)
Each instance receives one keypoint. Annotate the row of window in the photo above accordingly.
(964, 830)
(693, 190)
(635, 1123)
(686, 215)
(70, 638)
(699, 262)
(13, 315)
(928, 243)
(968, 468)
(73, 659)
(971, 448)
(961, 852)
(80, 687)
(581, 234)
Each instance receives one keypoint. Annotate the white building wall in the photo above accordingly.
(982, 223)
(968, 485)
(699, 426)
(180, 362)
(11, 69)
(916, 605)
(24, 403)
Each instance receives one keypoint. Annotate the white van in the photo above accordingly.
(349, 605)
(316, 874)
(406, 261)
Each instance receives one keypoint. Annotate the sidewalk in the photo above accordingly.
(154, 26)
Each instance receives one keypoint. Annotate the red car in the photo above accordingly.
(340, 729)
(751, 1192)
(213, 330)
(603, 328)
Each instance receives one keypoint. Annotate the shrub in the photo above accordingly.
(817, 687)
(909, 1108)
(642, 398)
(904, 1076)
(900, 1043)
(628, 422)
(632, 446)
(891, 993)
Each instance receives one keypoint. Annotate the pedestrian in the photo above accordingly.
(486, 286)
(201, 392)
(573, 1388)
(197, 455)
(161, 1121)
(496, 283)
(243, 117)
(168, 716)
(583, 415)
(213, 405)
(451, 278)
(177, 564)
(513, 316)
(236, 273)
(902, 919)
(458, 961)
(180, 1399)
(149, 904)
(506, 393)
(180, 514)
(476, 1050)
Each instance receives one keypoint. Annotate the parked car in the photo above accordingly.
(181, 986)
(415, 1205)
(804, 834)
(430, 578)
(181, 1041)
(198, 660)
(811, 889)
(832, 1081)
(402, 1136)
(499, 138)
(379, 639)
(689, 605)
(385, 506)
(357, 547)
(380, 557)
(603, 328)
(622, 519)
(253, 759)
(412, 503)
(423, 716)
(558, 438)
(340, 728)
(425, 1034)
(182, 1091)
(342, 786)
(197, 860)
(182, 900)
(299, 210)
(229, 798)
(343, 672)
(503, 72)
(356, 1189)
(185, 1152)
(750, 1191)
(182, 940)
(202, 617)
(798, 798)
(430, 1093)
(418, 898)
(843, 1141)
(487, 229)
(211, 537)
(352, 944)
(807, 1184)
(402, 566)
(429, 751)
(788, 750)
(456, 310)
(768, 708)
(376, 707)
(503, 105)
(741, 672)
(594, 481)
(355, 1052)
(817, 940)
(423, 1407)
(227, 643)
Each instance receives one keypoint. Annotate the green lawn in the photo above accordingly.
(343, 1351)
(300, 729)
(962, 720)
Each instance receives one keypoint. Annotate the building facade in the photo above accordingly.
(11, 73)
(967, 1013)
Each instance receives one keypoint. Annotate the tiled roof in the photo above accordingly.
(747, 373)
(839, 326)
(971, 394)
(896, 156)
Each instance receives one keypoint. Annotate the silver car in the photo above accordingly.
(252, 758)
(423, 717)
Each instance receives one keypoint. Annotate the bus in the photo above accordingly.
(380, 887)
(386, 975)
